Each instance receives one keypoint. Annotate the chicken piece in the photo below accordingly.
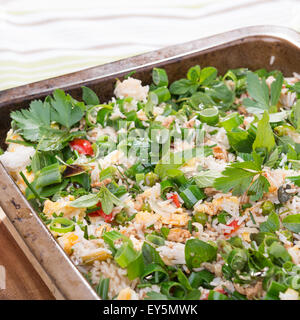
(146, 218)
(62, 206)
(139, 201)
(100, 255)
(175, 219)
(190, 123)
(100, 184)
(220, 153)
(179, 235)
(242, 110)
(127, 294)
(254, 291)
(228, 203)
(210, 191)
(67, 241)
(167, 121)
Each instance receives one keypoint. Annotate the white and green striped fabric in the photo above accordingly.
(43, 39)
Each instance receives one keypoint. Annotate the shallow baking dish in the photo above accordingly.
(253, 47)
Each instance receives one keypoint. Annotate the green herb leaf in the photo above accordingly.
(54, 139)
(234, 179)
(295, 115)
(295, 180)
(180, 87)
(85, 201)
(206, 178)
(64, 111)
(49, 175)
(30, 121)
(264, 136)
(208, 75)
(160, 77)
(153, 295)
(89, 96)
(202, 278)
(292, 222)
(240, 140)
(259, 92)
(272, 224)
(107, 200)
(258, 187)
(197, 251)
(276, 88)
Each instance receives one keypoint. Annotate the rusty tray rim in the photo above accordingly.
(95, 73)
(18, 209)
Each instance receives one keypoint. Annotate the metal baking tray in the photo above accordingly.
(267, 47)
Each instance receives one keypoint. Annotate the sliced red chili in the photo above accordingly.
(235, 227)
(101, 213)
(82, 146)
(175, 199)
(204, 296)
(221, 290)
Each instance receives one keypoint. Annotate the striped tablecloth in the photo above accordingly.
(42, 39)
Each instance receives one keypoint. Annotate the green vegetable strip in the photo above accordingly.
(191, 195)
(125, 255)
(37, 196)
(49, 175)
(66, 225)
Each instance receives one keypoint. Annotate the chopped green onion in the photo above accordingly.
(200, 217)
(237, 259)
(274, 289)
(159, 77)
(232, 121)
(157, 240)
(209, 116)
(191, 195)
(215, 295)
(150, 179)
(163, 94)
(111, 236)
(91, 113)
(252, 218)
(102, 288)
(154, 273)
(165, 232)
(173, 290)
(66, 225)
(37, 196)
(139, 177)
(136, 267)
(107, 173)
(296, 282)
(125, 255)
(103, 114)
(49, 175)
(166, 186)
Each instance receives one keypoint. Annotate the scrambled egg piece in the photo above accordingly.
(62, 206)
(127, 294)
(19, 180)
(100, 230)
(227, 203)
(175, 219)
(67, 241)
(146, 218)
(289, 294)
(100, 255)
(246, 236)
